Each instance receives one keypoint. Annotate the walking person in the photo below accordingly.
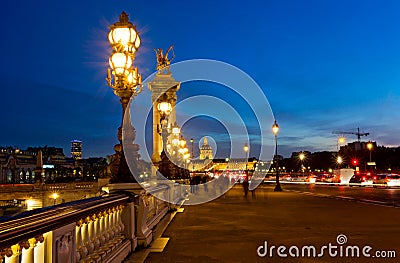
(246, 185)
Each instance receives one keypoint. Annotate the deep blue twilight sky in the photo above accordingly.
(323, 65)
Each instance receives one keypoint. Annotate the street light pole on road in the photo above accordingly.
(275, 130)
(370, 146)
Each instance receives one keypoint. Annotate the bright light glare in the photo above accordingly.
(164, 107)
(119, 62)
(175, 130)
(125, 37)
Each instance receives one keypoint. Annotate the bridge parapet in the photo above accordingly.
(99, 229)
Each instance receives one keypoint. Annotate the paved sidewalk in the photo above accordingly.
(231, 228)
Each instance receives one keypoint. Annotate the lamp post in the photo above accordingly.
(302, 156)
(275, 130)
(165, 167)
(164, 107)
(126, 83)
(191, 141)
(340, 141)
(246, 150)
(370, 146)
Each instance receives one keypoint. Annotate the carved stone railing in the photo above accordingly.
(90, 230)
(100, 229)
(150, 211)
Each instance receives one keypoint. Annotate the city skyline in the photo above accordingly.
(322, 66)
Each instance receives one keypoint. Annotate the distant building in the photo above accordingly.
(76, 149)
(48, 164)
(206, 151)
(19, 166)
(234, 164)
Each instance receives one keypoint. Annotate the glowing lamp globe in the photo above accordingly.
(120, 63)
(123, 35)
(275, 128)
(164, 107)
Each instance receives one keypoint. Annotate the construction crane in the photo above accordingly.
(358, 133)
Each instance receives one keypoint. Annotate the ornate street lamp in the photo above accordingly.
(275, 130)
(191, 141)
(126, 83)
(182, 142)
(123, 35)
(165, 108)
(246, 150)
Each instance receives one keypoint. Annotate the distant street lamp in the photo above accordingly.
(275, 130)
(54, 196)
(126, 82)
(191, 141)
(246, 151)
(302, 156)
(340, 141)
(370, 146)
(175, 135)
(339, 160)
(182, 142)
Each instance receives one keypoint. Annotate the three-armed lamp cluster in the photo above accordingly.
(125, 41)
(126, 82)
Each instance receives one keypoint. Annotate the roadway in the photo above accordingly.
(232, 228)
(390, 197)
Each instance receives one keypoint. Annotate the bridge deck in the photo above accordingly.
(231, 228)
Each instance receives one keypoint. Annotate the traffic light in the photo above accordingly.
(354, 162)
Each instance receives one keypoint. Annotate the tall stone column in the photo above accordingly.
(162, 83)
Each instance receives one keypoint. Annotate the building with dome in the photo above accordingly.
(206, 151)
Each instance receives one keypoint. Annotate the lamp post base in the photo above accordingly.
(278, 188)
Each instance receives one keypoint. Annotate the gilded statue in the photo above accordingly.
(162, 59)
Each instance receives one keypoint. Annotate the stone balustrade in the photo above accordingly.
(100, 229)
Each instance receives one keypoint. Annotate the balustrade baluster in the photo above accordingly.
(95, 231)
(85, 238)
(89, 234)
(119, 235)
(119, 219)
(100, 226)
(82, 251)
(106, 226)
(12, 254)
(110, 223)
(27, 255)
(114, 221)
(38, 252)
